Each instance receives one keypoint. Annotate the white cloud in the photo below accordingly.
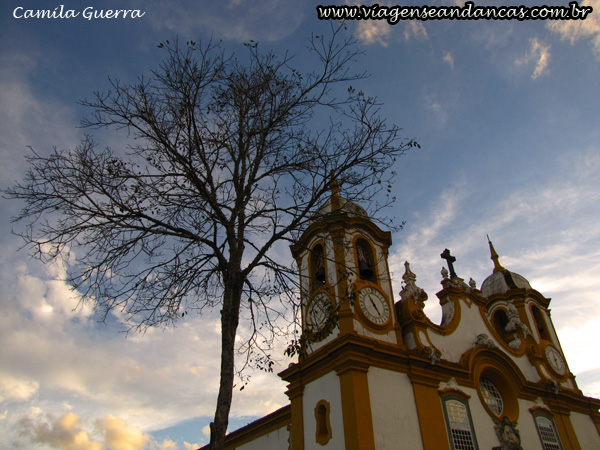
(449, 59)
(373, 32)
(574, 30)
(415, 29)
(118, 435)
(16, 389)
(67, 432)
(546, 232)
(168, 444)
(539, 53)
(64, 433)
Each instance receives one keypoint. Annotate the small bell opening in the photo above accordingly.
(365, 271)
(320, 275)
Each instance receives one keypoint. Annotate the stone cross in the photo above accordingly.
(450, 259)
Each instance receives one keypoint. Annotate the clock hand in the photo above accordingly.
(374, 305)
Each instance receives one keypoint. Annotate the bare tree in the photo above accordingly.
(229, 159)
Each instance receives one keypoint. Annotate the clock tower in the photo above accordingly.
(344, 276)
(377, 374)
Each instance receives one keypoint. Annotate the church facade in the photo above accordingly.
(375, 373)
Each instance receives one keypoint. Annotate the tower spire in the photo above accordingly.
(497, 266)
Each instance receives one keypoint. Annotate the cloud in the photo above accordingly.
(415, 29)
(546, 232)
(574, 30)
(67, 433)
(232, 20)
(64, 433)
(12, 388)
(539, 53)
(25, 118)
(373, 32)
(449, 59)
(377, 31)
(169, 445)
(120, 436)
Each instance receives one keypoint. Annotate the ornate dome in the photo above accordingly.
(346, 206)
(501, 280)
(337, 203)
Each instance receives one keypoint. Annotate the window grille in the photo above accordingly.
(460, 429)
(491, 395)
(548, 434)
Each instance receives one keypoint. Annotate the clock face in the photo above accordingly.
(374, 306)
(318, 312)
(555, 360)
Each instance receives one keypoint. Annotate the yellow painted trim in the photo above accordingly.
(311, 281)
(342, 221)
(346, 315)
(356, 407)
(374, 259)
(450, 327)
(373, 327)
(297, 416)
(356, 349)
(431, 417)
(541, 411)
(326, 330)
(566, 431)
(493, 308)
(508, 379)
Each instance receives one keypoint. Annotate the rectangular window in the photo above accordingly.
(548, 434)
(460, 428)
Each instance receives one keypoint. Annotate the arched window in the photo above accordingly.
(317, 267)
(500, 320)
(540, 323)
(458, 421)
(491, 396)
(366, 262)
(547, 432)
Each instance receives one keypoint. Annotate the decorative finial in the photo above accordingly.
(410, 288)
(409, 277)
(444, 273)
(497, 266)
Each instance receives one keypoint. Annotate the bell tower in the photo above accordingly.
(344, 276)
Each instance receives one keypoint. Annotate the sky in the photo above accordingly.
(506, 114)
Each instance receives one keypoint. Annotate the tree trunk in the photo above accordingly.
(229, 322)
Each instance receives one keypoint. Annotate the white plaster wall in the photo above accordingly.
(275, 440)
(482, 422)
(531, 320)
(395, 420)
(530, 438)
(360, 329)
(471, 325)
(325, 388)
(586, 432)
